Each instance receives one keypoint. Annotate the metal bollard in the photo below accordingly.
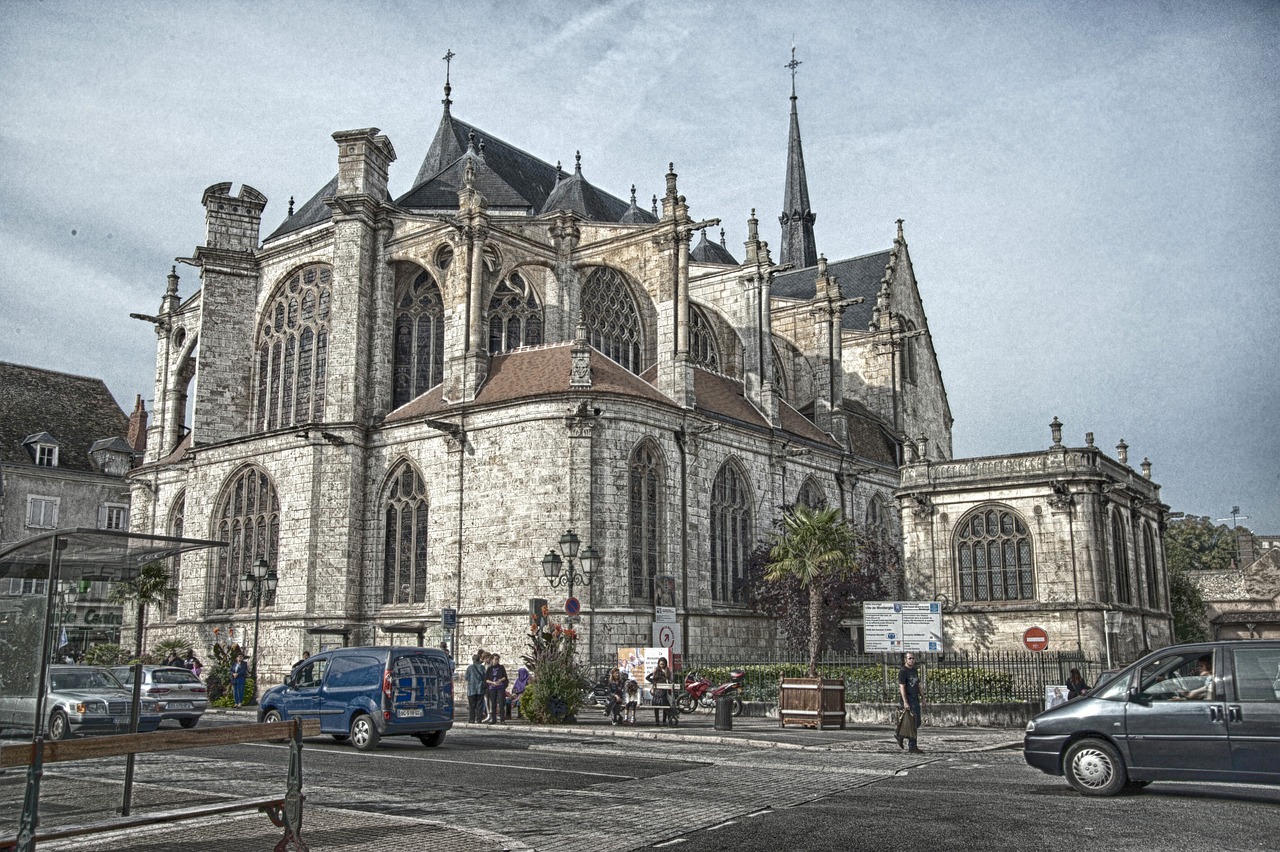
(724, 713)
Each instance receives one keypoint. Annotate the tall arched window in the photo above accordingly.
(994, 558)
(702, 340)
(909, 341)
(292, 350)
(177, 522)
(811, 496)
(404, 558)
(645, 503)
(875, 513)
(730, 533)
(1149, 562)
(611, 317)
(1120, 560)
(419, 346)
(780, 384)
(515, 317)
(248, 519)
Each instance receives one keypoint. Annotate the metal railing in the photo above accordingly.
(985, 677)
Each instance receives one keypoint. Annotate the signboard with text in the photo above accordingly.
(897, 626)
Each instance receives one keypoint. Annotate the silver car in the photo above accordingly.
(179, 693)
(89, 700)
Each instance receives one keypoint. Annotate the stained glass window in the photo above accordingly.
(811, 495)
(645, 499)
(611, 317)
(994, 556)
(419, 339)
(1120, 560)
(177, 521)
(291, 351)
(515, 317)
(404, 560)
(248, 519)
(1149, 561)
(702, 340)
(730, 533)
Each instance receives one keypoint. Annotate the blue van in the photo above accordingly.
(365, 694)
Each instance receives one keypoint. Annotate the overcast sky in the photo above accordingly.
(1090, 190)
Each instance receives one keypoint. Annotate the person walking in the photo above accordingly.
(517, 691)
(475, 687)
(239, 672)
(495, 679)
(909, 689)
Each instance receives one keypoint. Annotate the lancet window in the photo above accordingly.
(515, 317)
(292, 351)
(419, 339)
(645, 499)
(730, 533)
(702, 340)
(404, 559)
(248, 519)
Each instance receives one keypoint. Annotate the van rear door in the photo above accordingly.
(421, 687)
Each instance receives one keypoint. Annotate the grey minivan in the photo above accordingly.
(1203, 712)
(364, 694)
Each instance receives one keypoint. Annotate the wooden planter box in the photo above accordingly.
(811, 702)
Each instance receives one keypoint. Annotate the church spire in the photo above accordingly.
(798, 245)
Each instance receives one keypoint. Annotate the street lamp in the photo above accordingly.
(257, 579)
(68, 593)
(552, 562)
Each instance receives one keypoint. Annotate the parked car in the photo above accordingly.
(1203, 712)
(364, 694)
(180, 694)
(79, 700)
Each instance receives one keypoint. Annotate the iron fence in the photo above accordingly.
(992, 676)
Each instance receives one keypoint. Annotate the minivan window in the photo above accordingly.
(311, 674)
(354, 671)
(1176, 676)
(1257, 672)
(419, 664)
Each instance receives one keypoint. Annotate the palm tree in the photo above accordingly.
(152, 586)
(813, 545)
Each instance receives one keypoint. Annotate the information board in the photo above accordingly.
(896, 626)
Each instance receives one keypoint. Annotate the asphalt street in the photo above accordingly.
(593, 786)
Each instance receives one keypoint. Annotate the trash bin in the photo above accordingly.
(724, 713)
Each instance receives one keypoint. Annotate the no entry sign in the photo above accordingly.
(1035, 639)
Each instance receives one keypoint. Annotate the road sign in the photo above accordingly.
(1036, 639)
(666, 636)
(448, 618)
(573, 606)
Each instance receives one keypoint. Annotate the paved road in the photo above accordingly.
(606, 789)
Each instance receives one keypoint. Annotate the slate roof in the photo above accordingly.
(708, 252)
(76, 410)
(313, 212)
(857, 276)
(577, 195)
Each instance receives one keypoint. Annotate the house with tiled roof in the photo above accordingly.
(403, 401)
(65, 450)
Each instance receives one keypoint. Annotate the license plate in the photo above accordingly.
(178, 705)
(409, 712)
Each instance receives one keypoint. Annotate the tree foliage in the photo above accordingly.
(816, 572)
(556, 678)
(1190, 618)
(152, 586)
(1198, 544)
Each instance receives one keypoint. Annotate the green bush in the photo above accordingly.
(872, 683)
(106, 655)
(556, 679)
(217, 678)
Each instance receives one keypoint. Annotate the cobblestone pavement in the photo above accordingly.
(732, 774)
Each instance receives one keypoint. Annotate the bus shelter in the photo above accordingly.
(36, 573)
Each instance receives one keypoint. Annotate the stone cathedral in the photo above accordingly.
(402, 403)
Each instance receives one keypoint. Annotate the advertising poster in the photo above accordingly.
(1054, 695)
(636, 663)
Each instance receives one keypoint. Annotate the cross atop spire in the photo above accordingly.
(448, 64)
(793, 65)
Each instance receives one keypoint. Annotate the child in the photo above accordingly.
(633, 698)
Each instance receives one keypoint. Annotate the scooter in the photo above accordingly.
(698, 692)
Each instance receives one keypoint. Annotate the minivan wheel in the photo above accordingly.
(364, 734)
(58, 727)
(271, 716)
(1093, 767)
(432, 739)
(342, 738)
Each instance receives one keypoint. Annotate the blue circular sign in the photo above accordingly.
(572, 606)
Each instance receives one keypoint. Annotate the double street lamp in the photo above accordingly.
(258, 579)
(552, 563)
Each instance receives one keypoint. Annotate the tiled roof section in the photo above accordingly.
(529, 373)
(76, 410)
(857, 276)
(725, 397)
(313, 212)
(869, 436)
(441, 192)
(708, 252)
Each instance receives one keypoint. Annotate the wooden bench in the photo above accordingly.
(284, 811)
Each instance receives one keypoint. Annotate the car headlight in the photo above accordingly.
(1031, 727)
(84, 707)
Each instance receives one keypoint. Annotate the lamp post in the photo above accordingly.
(552, 563)
(258, 578)
(68, 593)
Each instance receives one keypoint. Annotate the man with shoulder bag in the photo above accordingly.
(910, 692)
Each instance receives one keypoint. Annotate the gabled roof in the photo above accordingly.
(76, 410)
(577, 195)
(857, 276)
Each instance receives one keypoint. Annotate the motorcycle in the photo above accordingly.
(698, 692)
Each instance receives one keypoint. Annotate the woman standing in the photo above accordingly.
(239, 672)
(661, 694)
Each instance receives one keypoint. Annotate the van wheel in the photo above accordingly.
(189, 722)
(58, 727)
(1093, 767)
(432, 739)
(271, 717)
(364, 734)
(342, 738)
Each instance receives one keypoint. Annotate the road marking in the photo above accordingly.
(393, 756)
(760, 813)
(671, 842)
(724, 824)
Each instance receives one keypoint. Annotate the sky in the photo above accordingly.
(1090, 189)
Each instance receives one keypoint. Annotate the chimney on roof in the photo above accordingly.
(137, 435)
